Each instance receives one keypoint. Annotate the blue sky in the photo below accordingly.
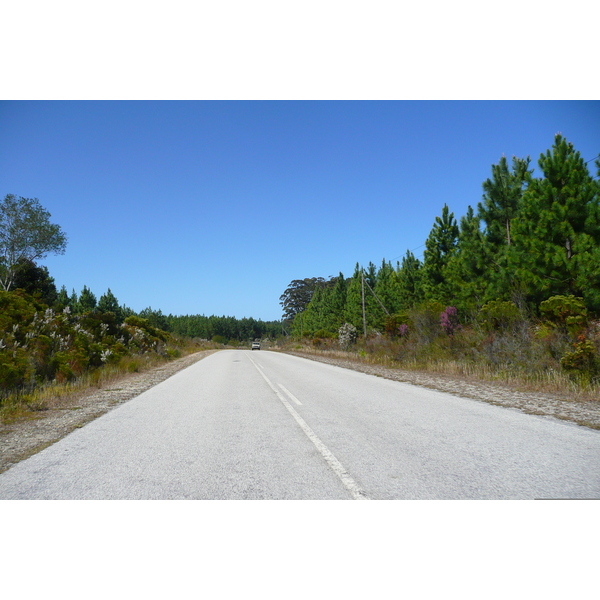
(209, 207)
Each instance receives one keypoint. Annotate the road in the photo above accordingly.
(263, 425)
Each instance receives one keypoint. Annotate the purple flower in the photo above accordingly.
(449, 320)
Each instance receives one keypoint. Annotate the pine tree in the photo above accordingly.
(502, 199)
(468, 268)
(63, 300)
(353, 308)
(87, 301)
(439, 247)
(410, 284)
(109, 303)
(387, 290)
(557, 235)
(74, 301)
(334, 301)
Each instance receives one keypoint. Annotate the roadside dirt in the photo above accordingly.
(23, 438)
(585, 413)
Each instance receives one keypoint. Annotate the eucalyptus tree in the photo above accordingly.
(297, 295)
(26, 235)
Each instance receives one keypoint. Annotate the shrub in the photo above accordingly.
(498, 315)
(394, 322)
(347, 335)
(425, 321)
(566, 312)
(449, 321)
(583, 360)
(323, 334)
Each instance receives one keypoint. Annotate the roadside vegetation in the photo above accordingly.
(501, 345)
(509, 293)
(47, 352)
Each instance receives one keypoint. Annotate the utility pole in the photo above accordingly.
(362, 273)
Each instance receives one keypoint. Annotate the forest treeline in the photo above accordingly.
(528, 253)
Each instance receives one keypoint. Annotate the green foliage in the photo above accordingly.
(502, 200)
(324, 334)
(26, 235)
(219, 339)
(468, 268)
(567, 312)
(109, 303)
(298, 294)
(39, 344)
(87, 301)
(499, 315)
(393, 323)
(557, 234)
(144, 325)
(410, 281)
(439, 248)
(203, 327)
(155, 318)
(36, 281)
(584, 360)
(425, 320)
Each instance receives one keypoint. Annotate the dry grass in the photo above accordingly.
(536, 380)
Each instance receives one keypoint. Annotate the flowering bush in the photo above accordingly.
(449, 321)
(347, 335)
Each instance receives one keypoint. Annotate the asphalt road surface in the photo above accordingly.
(262, 425)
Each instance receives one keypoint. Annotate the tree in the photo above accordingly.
(298, 294)
(387, 291)
(410, 277)
(468, 270)
(439, 247)
(87, 301)
(109, 303)
(333, 302)
(158, 320)
(556, 249)
(26, 234)
(35, 281)
(357, 292)
(502, 199)
(62, 299)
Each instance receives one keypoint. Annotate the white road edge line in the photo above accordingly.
(290, 394)
(332, 461)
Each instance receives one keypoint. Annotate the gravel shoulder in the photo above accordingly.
(583, 413)
(24, 438)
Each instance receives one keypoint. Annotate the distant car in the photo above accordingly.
(255, 345)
